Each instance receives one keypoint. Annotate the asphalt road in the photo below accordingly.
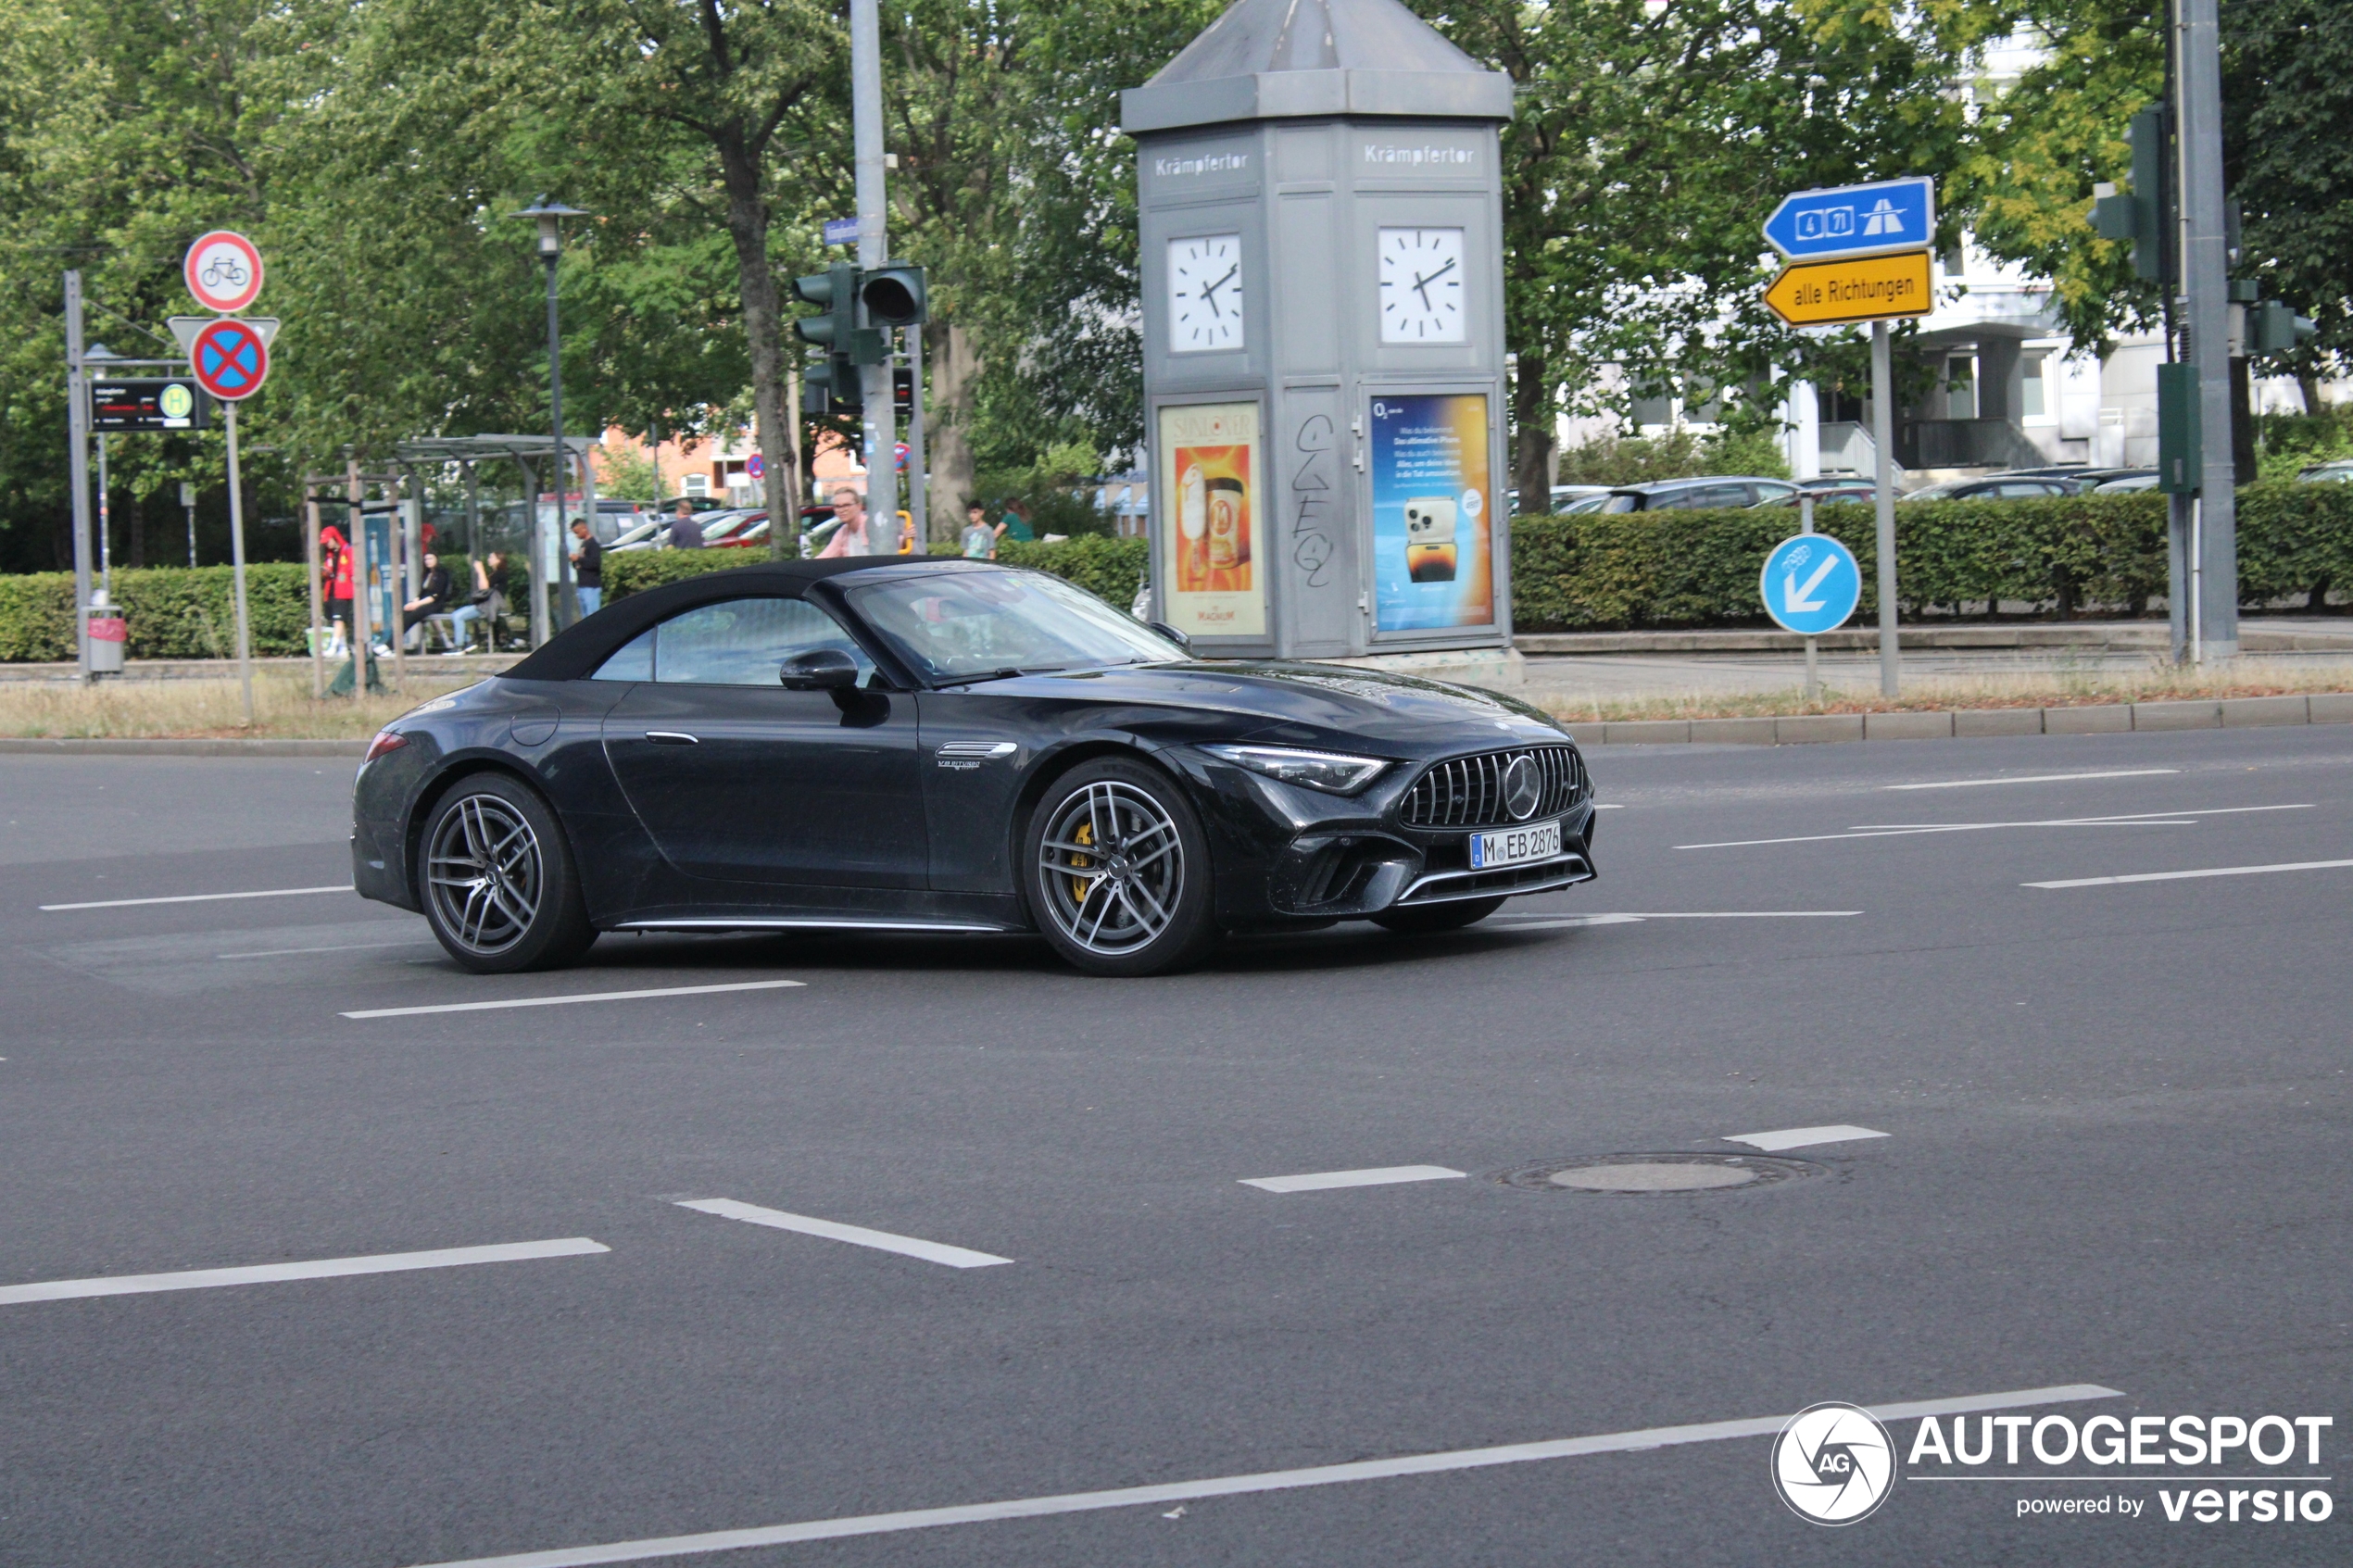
(2116, 1154)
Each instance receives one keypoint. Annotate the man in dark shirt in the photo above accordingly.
(587, 566)
(686, 534)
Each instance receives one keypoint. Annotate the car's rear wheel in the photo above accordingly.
(1420, 919)
(1118, 871)
(497, 884)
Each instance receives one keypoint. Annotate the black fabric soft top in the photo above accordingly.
(575, 653)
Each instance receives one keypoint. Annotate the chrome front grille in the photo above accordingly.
(1468, 791)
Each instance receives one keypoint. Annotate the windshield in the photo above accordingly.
(952, 625)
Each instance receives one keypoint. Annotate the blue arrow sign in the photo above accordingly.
(1811, 584)
(1854, 219)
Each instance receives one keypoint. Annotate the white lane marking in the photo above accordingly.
(1382, 1176)
(1802, 1137)
(1610, 806)
(2114, 819)
(1562, 922)
(2037, 778)
(857, 1236)
(322, 1268)
(577, 997)
(2182, 876)
(339, 947)
(201, 897)
(1242, 1486)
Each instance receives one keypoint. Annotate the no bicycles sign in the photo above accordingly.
(223, 270)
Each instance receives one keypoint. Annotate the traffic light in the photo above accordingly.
(2139, 215)
(833, 385)
(2274, 328)
(894, 296)
(902, 391)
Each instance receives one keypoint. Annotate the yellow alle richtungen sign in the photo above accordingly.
(1862, 288)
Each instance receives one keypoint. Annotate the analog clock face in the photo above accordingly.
(1205, 293)
(1421, 286)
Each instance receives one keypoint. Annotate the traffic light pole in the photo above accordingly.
(874, 250)
(2212, 590)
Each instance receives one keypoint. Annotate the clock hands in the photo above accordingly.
(1421, 286)
(1209, 291)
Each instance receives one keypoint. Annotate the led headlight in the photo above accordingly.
(1334, 771)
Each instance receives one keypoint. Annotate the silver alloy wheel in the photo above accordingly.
(483, 873)
(1112, 867)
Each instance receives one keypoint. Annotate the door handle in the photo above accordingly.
(671, 737)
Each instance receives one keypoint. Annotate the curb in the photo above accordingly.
(2121, 718)
(20, 746)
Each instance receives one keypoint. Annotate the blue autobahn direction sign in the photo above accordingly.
(1854, 219)
(1811, 584)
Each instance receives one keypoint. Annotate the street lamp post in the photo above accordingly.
(549, 552)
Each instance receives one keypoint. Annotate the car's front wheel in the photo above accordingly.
(1118, 871)
(498, 882)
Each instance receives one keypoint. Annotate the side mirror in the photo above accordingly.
(819, 669)
(1174, 635)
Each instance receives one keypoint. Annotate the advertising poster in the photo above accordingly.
(1433, 511)
(1212, 557)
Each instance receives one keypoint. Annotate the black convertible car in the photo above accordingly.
(921, 745)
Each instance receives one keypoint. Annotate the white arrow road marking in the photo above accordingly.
(1794, 598)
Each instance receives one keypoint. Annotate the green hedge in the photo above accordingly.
(1106, 566)
(173, 611)
(634, 572)
(2071, 553)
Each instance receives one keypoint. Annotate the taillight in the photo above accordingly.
(386, 740)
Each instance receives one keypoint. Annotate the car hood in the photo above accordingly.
(1317, 704)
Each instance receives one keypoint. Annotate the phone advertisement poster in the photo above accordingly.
(1433, 511)
(1212, 560)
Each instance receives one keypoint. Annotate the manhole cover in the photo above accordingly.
(1656, 1174)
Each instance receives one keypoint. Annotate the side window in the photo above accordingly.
(634, 661)
(1768, 492)
(741, 642)
(1700, 496)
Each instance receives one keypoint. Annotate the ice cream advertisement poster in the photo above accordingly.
(1213, 560)
(1433, 512)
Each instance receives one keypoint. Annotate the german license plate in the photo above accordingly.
(1537, 841)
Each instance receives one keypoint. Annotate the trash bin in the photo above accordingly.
(109, 633)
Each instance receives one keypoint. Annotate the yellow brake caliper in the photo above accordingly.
(1086, 834)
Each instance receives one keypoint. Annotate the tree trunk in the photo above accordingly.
(2307, 381)
(952, 368)
(1537, 434)
(756, 282)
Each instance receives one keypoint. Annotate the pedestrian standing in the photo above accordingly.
(849, 539)
(334, 574)
(1014, 524)
(686, 534)
(587, 566)
(979, 539)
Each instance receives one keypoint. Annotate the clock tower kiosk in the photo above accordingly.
(1321, 212)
